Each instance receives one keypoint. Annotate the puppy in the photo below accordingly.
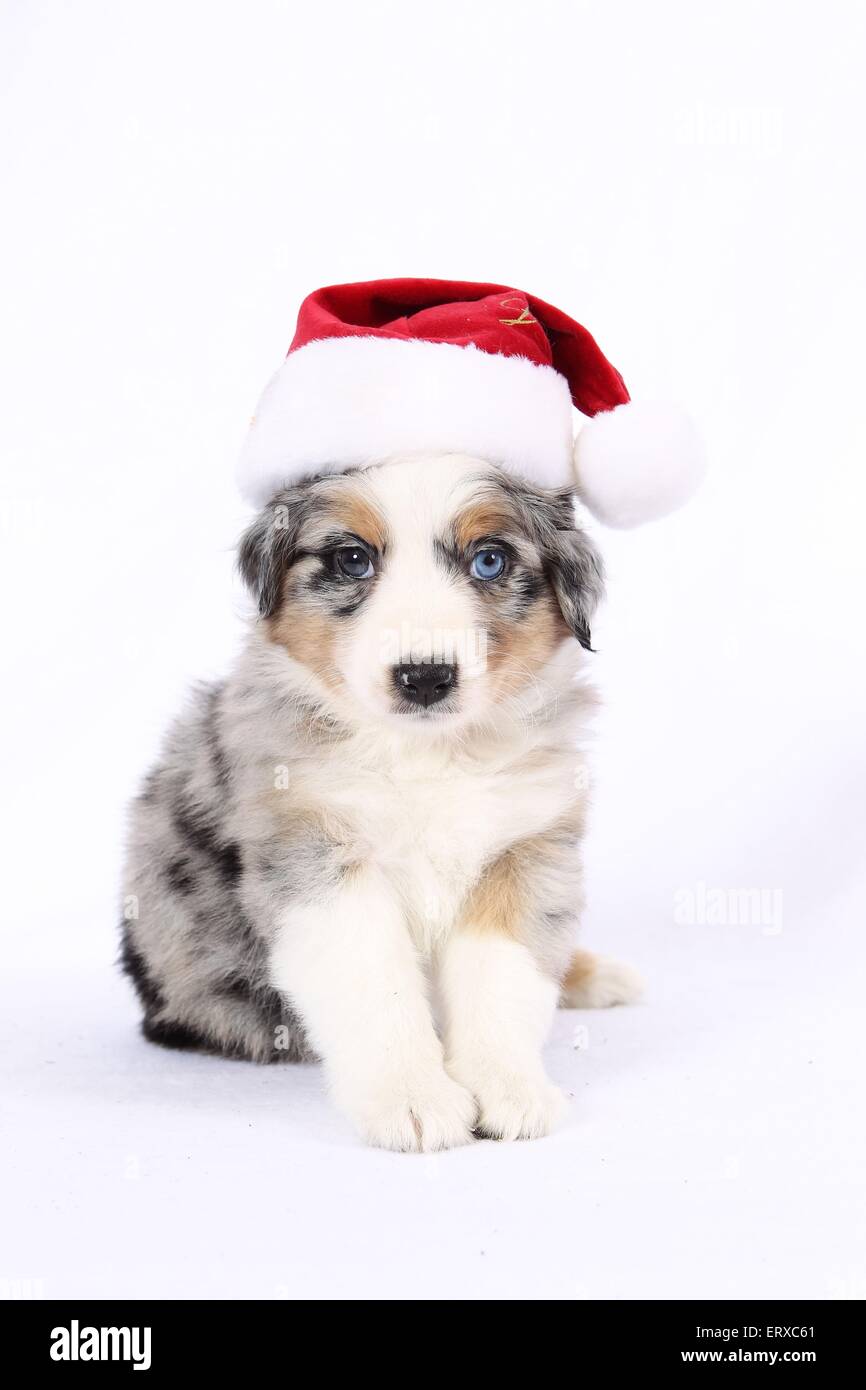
(364, 845)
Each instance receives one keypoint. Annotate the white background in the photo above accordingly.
(684, 179)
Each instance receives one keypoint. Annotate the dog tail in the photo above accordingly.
(596, 982)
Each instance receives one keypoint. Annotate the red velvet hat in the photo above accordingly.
(391, 367)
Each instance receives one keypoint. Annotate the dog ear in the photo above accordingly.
(576, 574)
(571, 562)
(268, 547)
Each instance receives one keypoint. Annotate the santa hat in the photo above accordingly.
(388, 367)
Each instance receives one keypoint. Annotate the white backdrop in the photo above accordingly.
(686, 181)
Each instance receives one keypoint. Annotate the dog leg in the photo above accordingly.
(498, 1007)
(595, 982)
(350, 969)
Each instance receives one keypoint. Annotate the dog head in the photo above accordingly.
(434, 590)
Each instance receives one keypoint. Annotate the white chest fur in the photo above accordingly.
(432, 821)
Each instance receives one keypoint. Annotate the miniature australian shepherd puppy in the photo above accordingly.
(364, 845)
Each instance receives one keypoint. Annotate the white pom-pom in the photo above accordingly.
(637, 462)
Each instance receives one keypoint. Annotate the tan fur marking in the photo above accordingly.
(307, 634)
(580, 971)
(502, 899)
(520, 649)
(497, 902)
(486, 517)
(359, 515)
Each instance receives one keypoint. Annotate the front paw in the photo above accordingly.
(415, 1115)
(512, 1105)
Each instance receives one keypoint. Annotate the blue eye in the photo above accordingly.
(353, 562)
(488, 564)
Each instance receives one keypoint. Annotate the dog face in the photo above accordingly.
(433, 590)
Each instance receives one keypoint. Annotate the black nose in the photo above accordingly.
(425, 685)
